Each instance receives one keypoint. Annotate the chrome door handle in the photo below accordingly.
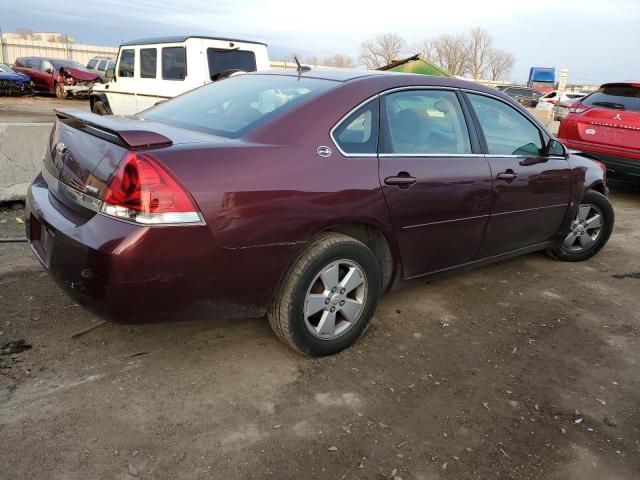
(507, 176)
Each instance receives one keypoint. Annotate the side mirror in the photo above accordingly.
(49, 70)
(555, 149)
(110, 73)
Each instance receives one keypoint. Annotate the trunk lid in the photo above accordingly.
(85, 149)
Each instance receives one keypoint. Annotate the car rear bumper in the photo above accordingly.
(123, 271)
(620, 165)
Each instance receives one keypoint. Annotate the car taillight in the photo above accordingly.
(143, 191)
(578, 108)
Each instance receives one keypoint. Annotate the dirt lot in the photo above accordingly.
(35, 109)
(527, 369)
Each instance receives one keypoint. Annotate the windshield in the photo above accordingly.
(234, 106)
(616, 97)
(5, 68)
(58, 64)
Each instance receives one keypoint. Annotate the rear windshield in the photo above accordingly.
(221, 60)
(234, 106)
(616, 97)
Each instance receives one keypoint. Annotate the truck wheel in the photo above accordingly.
(60, 92)
(99, 108)
(327, 297)
(590, 229)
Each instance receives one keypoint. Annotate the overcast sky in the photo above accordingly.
(597, 40)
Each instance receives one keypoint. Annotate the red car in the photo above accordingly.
(56, 75)
(606, 125)
(304, 196)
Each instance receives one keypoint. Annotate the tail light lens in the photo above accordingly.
(143, 191)
(578, 108)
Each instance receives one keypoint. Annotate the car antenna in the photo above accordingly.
(301, 68)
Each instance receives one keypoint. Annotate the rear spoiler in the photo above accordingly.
(118, 130)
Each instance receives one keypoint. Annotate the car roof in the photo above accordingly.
(392, 79)
(336, 74)
(183, 38)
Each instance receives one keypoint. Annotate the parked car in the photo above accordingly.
(100, 65)
(62, 77)
(606, 125)
(304, 195)
(525, 96)
(552, 97)
(561, 109)
(152, 70)
(14, 83)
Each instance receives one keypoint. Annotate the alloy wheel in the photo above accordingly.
(585, 229)
(335, 299)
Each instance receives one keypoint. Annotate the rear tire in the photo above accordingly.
(590, 229)
(327, 297)
(99, 108)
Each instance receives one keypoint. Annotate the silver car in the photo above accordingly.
(100, 65)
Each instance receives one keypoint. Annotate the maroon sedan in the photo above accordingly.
(57, 75)
(304, 196)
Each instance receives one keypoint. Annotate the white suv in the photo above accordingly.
(152, 70)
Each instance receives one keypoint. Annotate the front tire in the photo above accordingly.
(327, 297)
(60, 93)
(99, 108)
(590, 229)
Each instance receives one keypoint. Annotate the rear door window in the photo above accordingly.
(102, 65)
(220, 60)
(616, 97)
(423, 122)
(506, 131)
(127, 63)
(174, 63)
(92, 63)
(148, 62)
(358, 133)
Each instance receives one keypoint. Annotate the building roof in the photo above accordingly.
(415, 64)
(180, 39)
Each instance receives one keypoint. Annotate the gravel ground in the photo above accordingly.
(526, 369)
(36, 109)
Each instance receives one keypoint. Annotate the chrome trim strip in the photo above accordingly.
(410, 227)
(565, 205)
(71, 193)
(441, 155)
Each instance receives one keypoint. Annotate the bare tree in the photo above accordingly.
(313, 61)
(425, 48)
(451, 53)
(339, 61)
(479, 45)
(382, 50)
(499, 63)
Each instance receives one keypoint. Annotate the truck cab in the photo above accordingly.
(152, 70)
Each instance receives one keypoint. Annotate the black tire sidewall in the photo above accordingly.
(99, 108)
(304, 340)
(602, 202)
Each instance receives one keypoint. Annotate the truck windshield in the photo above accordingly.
(237, 105)
(220, 60)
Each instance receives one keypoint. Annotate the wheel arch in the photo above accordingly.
(99, 97)
(377, 242)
